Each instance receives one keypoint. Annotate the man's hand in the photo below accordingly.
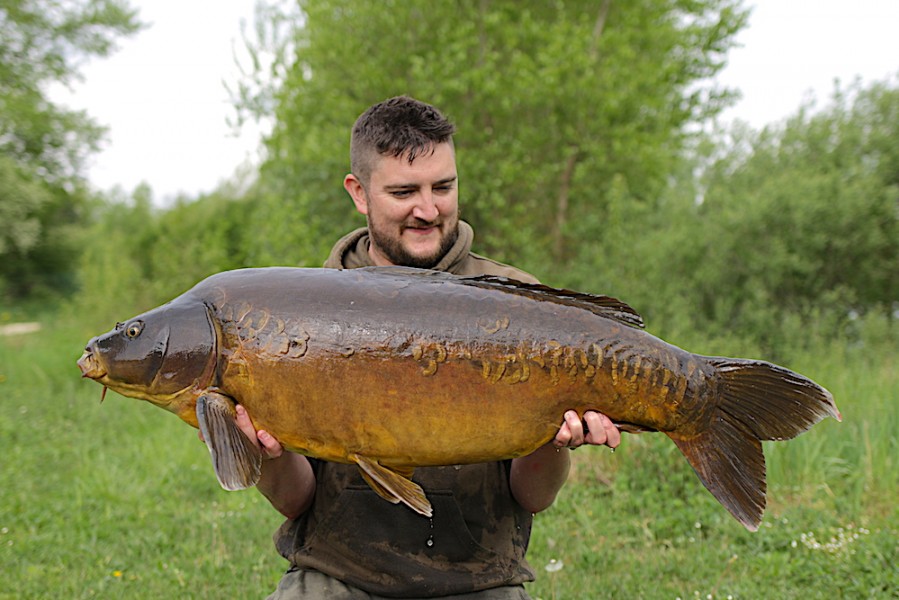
(271, 448)
(288, 482)
(535, 479)
(600, 431)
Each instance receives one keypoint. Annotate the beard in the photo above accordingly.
(395, 251)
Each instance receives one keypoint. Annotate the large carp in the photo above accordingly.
(395, 368)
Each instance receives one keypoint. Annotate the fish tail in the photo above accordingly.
(757, 401)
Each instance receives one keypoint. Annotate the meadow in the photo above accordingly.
(118, 500)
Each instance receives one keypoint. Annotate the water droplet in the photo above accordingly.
(430, 541)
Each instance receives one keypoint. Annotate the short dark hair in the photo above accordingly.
(396, 127)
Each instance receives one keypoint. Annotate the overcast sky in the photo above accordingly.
(163, 99)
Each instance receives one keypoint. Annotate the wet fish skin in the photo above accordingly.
(364, 366)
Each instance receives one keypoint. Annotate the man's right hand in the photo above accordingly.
(270, 447)
(288, 483)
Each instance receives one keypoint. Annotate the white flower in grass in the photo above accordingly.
(554, 566)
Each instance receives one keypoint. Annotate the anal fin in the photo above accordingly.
(393, 485)
(236, 459)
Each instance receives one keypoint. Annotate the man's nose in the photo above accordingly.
(426, 207)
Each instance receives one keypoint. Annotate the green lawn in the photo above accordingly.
(118, 500)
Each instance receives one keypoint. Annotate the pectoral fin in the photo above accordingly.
(393, 485)
(237, 460)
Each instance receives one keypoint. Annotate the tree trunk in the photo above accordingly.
(562, 200)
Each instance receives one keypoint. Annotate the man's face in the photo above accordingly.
(412, 209)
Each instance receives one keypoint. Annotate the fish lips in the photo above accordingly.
(90, 366)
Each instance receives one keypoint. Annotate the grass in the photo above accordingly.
(114, 500)
(118, 500)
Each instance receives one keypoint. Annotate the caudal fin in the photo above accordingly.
(758, 401)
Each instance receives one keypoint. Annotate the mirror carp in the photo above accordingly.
(393, 368)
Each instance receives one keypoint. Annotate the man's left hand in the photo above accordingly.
(600, 431)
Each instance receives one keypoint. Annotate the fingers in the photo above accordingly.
(599, 431)
(244, 423)
(602, 430)
(270, 445)
(571, 433)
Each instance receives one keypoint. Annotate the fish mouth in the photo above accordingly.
(90, 366)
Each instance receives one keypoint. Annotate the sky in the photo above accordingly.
(162, 94)
(163, 99)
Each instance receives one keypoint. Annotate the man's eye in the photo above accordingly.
(401, 194)
(443, 189)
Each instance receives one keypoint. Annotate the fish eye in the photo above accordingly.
(134, 329)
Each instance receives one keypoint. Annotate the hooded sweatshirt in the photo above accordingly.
(351, 252)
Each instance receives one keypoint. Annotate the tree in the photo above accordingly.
(553, 102)
(140, 255)
(43, 146)
(800, 222)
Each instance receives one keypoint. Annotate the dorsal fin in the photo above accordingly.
(603, 306)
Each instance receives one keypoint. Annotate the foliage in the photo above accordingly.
(134, 253)
(552, 102)
(137, 255)
(787, 236)
(806, 223)
(43, 146)
(793, 224)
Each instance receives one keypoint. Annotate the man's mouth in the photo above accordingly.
(421, 228)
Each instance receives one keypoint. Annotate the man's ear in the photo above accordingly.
(354, 188)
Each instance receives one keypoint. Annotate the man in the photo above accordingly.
(345, 542)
